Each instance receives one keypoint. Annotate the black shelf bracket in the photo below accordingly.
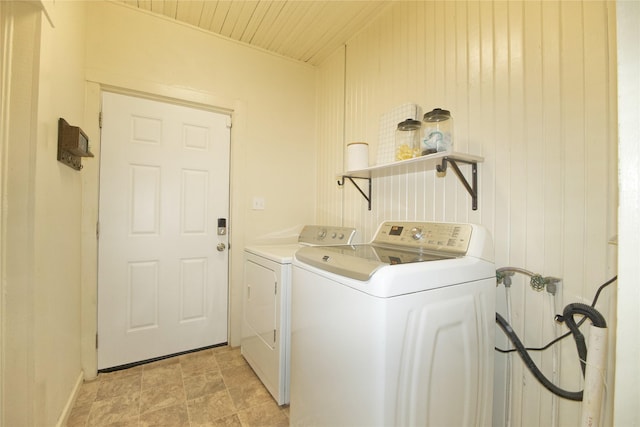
(350, 178)
(473, 188)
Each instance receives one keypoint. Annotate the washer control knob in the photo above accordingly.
(417, 233)
(322, 234)
(333, 235)
(341, 236)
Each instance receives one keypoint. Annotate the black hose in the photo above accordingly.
(571, 395)
(567, 317)
(563, 336)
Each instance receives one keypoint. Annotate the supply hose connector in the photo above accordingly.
(538, 283)
(504, 276)
(552, 284)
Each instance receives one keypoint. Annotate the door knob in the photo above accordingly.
(221, 247)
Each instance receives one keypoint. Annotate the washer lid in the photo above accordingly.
(360, 262)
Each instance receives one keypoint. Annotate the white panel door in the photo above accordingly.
(164, 182)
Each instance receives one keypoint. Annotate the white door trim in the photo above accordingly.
(168, 132)
(96, 83)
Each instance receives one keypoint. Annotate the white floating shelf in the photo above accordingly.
(437, 161)
(428, 162)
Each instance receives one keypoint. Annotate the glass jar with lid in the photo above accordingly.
(437, 132)
(407, 139)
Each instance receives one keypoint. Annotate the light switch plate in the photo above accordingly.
(258, 203)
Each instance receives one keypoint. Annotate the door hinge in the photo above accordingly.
(275, 288)
(274, 335)
(100, 119)
(229, 123)
(98, 230)
(96, 340)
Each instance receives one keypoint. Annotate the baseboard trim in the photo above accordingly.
(62, 420)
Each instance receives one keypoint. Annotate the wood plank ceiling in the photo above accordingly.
(304, 30)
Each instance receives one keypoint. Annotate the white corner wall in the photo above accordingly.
(532, 88)
(42, 80)
(627, 356)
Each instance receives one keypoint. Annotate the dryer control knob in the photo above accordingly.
(322, 234)
(417, 233)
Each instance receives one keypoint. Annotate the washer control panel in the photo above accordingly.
(428, 236)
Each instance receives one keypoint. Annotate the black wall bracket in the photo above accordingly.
(351, 178)
(473, 188)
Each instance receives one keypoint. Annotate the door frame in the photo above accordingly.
(167, 335)
(90, 200)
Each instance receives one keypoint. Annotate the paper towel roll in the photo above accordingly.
(357, 156)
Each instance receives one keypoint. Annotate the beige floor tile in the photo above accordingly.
(162, 376)
(120, 409)
(230, 421)
(172, 416)
(87, 393)
(209, 408)
(118, 386)
(160, 397)
(252, 393)
(239, 375)
(79, 416)
(267, 414)
(230, 359)
(222, 349)
(202, 384)
(198, 363)
(213, 387)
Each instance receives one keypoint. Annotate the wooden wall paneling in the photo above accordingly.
(461, 84)
(573, 236)
(552, 172)
(244, 15)
(439, 84)
(330, 128)
(497, 67)
(494, 74)
(257, 16)
(169, 8)
(539, 323)
(447, 43)
(525, 84)
(512, 20)
(192, 14)
(597, 144)
(428, 101)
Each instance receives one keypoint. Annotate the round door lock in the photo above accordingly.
(221, 247)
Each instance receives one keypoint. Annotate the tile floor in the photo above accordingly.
(214, 387)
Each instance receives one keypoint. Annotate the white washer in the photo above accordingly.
(397, 332)
(267, 299)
